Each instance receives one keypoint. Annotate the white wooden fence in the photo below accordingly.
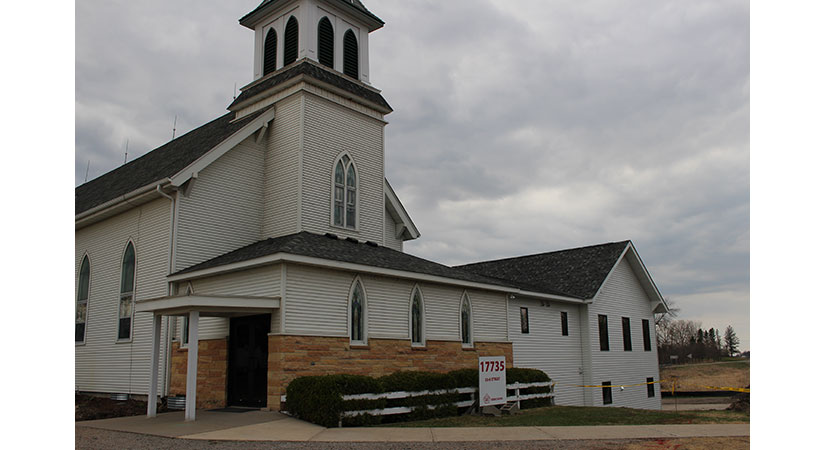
(518, 398)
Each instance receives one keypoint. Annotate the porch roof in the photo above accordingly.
(208, 305)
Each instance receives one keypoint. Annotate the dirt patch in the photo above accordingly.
(89, 407)
(741, 402)
(696, 377)
(705, 443)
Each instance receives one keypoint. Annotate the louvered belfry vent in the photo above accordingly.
(326, 43)
(270, 51)
(350, 54)
(291, 41)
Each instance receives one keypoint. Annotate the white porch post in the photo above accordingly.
(192, 366)
(152, 400)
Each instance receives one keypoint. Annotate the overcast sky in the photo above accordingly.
(519, 126)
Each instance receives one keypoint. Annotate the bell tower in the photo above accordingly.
(334, 33)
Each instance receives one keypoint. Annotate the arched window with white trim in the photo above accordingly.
(344, 195)
(270, 51)
(357, 314)
(417, 318)
(127, 294)
(82, 301)
(466, 321)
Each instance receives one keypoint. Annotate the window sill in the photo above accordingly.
(354, 346)
(419, 348)
(124, 341)
(80, 344)
(469, 348)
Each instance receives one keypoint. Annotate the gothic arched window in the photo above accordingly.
(357, 314)
(345, 189)
(82, 302)
(350, 54)
(466, 322)
(127, 293)
(417, 318)
(326, 43)
(291, 41)
(270, 51)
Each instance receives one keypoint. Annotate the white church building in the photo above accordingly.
(267, 244)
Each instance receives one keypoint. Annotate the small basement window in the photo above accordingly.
(607, 393)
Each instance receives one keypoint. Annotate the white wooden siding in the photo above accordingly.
(316, 304)
(389, 233)
(623, 296)
(101, 364)
(545, 348)
(282, 169)
(330, 129)
(224, 209)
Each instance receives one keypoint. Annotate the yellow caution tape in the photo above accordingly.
(672, 387)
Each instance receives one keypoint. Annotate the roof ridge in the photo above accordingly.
(543, 253)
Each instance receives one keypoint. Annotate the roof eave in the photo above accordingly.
(400, 213)
(119, 204)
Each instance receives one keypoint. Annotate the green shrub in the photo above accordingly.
(521, 375)
(318, 399)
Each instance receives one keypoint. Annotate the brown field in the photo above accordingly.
(705, 443)
(694, 377)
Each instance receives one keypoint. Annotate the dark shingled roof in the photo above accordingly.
(309, 68)
(355, 4)
(344, 250)
(577, 272)
(160, 163)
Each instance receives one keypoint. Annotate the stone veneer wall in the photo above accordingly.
(294, 356)
(212, 372)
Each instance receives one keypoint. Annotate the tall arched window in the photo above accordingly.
(82, 302)
(350, 54)
(270, 51)
(417, 318)
(127, 293)
(357, 314)
(344, 193)
(326, 43)
(466, 322)
(291, 41)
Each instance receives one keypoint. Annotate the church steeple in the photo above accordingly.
(334, 33)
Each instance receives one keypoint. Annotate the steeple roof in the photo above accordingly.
(354, 6)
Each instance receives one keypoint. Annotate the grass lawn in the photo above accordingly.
(693, 377)
(580, 415)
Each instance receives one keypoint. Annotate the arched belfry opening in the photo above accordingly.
(350, 54)
(291, 41)
(326, 43)
(270, 51)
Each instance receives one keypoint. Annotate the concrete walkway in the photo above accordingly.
(273, 426)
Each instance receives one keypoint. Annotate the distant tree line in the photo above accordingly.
(688, 342)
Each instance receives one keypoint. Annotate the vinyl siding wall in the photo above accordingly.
(389, 233)
(329, 130)
(102, 364)
(316, 304)
(223, 211)
(260, 282)
(282, 169)
(545, 348)
(623, 296)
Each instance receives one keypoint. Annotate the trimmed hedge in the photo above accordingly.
(318, 399)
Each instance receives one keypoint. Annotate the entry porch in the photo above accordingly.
(194, 307)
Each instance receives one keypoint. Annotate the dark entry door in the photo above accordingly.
(248, 354)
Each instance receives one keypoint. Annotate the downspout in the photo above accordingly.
(168, 358)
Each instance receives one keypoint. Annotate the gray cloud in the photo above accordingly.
(519, 127)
